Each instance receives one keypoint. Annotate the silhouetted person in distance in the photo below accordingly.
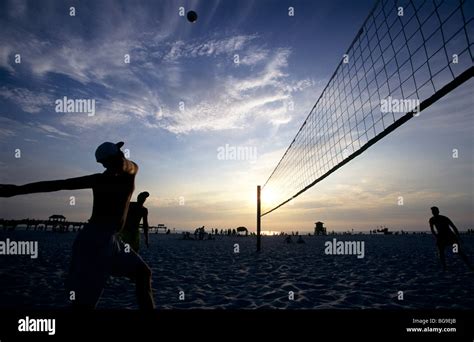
(98, 251)
(130, 232)
(445, 236)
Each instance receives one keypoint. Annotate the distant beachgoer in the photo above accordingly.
(130, 232)
(288, 239)
(98, 251)
(199, 233)
(445, 236)
(300, 239)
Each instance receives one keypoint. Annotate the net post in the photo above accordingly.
(259, 217)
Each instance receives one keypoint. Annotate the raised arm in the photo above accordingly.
(86, 182)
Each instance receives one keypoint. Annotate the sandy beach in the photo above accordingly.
(212, 276)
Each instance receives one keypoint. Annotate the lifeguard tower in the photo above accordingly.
(319, 229)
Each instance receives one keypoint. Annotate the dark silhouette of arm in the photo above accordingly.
(456, 231)
(145, 225)
(433, 231)
(86, 182)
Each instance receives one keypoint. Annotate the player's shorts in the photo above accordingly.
(97, 254)
(446, 240)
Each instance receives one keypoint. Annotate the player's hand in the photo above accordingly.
(8, 190)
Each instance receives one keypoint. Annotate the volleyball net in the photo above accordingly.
(406, 56)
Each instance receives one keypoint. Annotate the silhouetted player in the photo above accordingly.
(97, 251)
(445, 237)
(136, 212)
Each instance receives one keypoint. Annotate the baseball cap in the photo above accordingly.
(107, 150)
(143, 195)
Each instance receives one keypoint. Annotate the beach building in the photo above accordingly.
(242, 230)
(319, 228)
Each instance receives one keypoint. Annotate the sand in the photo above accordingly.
(211, 275)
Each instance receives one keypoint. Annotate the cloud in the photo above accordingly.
(29, 101)
(113, 114)
(218, 94)
(5, 52)
(52, 130)
(209, 47)
(269, 76)
(12, 128)
(254, 56)
(239, 100)
(6, 133)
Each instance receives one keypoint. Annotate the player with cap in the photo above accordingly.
(130, 233)
(98, 251)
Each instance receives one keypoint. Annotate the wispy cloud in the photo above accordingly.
(218, 93)
(13, 129)
(5, 52)
(50, 130)
(235, 101)
(5, 133)
(29, 101)
(206, 48)
(254, 56)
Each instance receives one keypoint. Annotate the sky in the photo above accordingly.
(182, 99)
